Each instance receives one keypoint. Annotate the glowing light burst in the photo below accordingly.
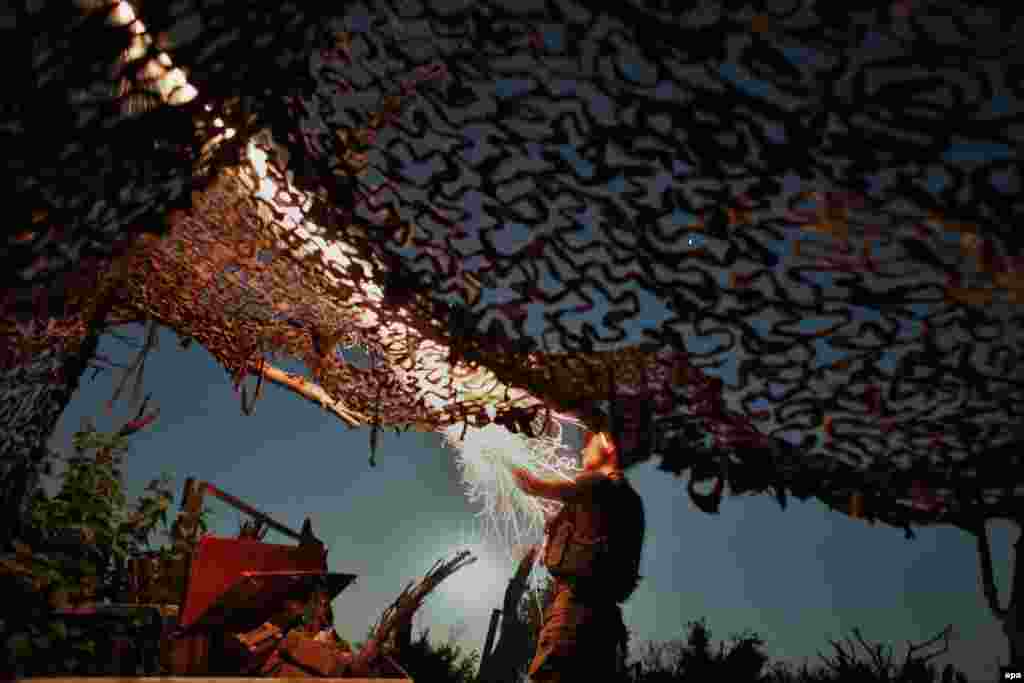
(483, 582)
(499, 563)
(484, 457)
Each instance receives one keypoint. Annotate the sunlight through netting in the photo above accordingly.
(485, 455)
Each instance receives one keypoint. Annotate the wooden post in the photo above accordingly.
(500, 663)
(488, 643)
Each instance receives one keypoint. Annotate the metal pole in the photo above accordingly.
(253, 512)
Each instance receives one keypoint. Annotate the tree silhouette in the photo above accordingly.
(743, 659)
(445, 663)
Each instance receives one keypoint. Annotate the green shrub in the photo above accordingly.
(76, 550)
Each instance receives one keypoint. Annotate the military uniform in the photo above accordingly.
(588, 544)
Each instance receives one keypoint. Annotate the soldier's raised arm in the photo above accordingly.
(564, 491)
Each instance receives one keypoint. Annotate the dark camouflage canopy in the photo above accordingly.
(787, 227)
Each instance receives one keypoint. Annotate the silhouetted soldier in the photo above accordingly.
(592, 548)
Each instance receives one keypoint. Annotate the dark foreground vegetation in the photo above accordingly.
(741, 660)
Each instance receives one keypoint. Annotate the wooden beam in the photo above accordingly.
(310, 391)
(315, 394)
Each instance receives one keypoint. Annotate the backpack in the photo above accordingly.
(609, 562)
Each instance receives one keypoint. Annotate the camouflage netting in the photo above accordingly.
(99, 124)
(647, 174)
(101, 138)
(659, 193)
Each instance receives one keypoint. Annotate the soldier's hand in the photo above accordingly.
(523, 479)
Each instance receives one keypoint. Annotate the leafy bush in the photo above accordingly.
(76, 550)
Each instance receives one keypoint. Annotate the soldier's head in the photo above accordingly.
(599, 452)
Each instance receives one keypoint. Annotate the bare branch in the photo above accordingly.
(943, 635)
(311, 392)
(881, 664)
(247, 405)
(842, 659)
(138, 365)
(104, 363)
(401, 611)
(133, 342)
(827, 662)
